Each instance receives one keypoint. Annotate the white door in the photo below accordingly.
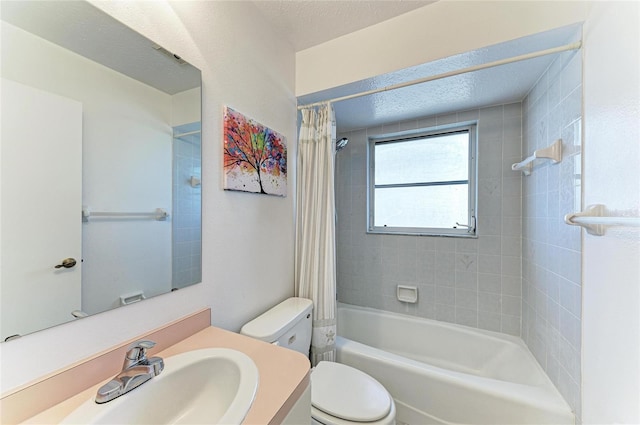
(41, 201)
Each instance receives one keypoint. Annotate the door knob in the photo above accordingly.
(67, 263)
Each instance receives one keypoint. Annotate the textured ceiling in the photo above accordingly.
(306, 23)
(492, 86)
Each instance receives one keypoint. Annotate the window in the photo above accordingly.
(424, 183)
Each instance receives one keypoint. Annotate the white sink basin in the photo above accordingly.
(213, 386)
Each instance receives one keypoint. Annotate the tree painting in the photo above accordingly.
(255, 157)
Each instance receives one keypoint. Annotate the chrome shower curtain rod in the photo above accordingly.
(566, 47)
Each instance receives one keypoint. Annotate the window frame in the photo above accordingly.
(462, 230)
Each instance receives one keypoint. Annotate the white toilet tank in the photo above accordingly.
(288, 325)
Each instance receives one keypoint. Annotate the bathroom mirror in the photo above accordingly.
(100, 174)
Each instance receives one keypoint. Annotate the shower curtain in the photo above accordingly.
(315, 270)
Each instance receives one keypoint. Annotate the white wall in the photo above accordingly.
(611, 263)
(247, 238)
(185, 107)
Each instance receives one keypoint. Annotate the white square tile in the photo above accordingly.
(489, 264)
(445, 245)
(446, 313)
(466, 280)
(489, 302)
(511, 305)
(466, 317)
(489, 282)
(489, 321)
(470, 115)
(511, 267)
(426, 244)
(488, 225)
(493, 113)
(467, 262)
(511, 325)
(445, 295)
(466, 299)
(446, 119)
(511, 285)
(426, 122)
(408, 125)
(512, 110)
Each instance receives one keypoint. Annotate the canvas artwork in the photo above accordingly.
(255, 157)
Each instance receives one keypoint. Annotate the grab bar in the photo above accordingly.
(159, 214)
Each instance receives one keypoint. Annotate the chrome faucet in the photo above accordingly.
(136, 370)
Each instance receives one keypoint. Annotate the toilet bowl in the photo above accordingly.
(340, 394)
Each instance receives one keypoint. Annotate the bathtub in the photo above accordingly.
(441, 373)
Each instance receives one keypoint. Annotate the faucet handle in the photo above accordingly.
(138, 351)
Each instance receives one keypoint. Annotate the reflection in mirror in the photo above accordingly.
(100, 157)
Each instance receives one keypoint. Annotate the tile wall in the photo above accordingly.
(552, 294)
(474, 282)
(186, 219)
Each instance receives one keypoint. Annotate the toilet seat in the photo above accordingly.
(318, 417)
(343, 394)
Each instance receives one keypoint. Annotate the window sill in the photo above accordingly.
(400, 232)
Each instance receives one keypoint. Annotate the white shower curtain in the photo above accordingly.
(315, 270)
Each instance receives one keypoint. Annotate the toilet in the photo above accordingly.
(340, 394)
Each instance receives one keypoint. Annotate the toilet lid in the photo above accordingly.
(348, 393)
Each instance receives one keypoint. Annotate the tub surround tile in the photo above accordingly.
(446, 119)
(490, 303)
(426, 267)
(451, 273)
(511, 325)
(466, 317)
(489, 321)
(427, 294)
(489, 264)
(511, 285)
(466, 299)
(511, 305)
(466, 280)
(445, 295)
(551, 268)
(466, 262)
(488, 225)
(489, 282)
(445, 244)
(427, 122)
(446, 313)
(426, 310)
